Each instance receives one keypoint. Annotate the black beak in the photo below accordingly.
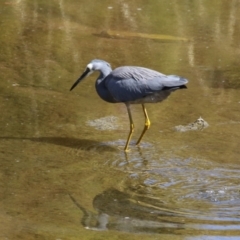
(81, 78)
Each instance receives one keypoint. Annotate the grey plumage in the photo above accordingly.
(137, 84)
(131, 85)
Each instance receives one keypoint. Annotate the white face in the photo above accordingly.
(90, 66)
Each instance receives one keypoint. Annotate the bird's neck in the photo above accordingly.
(101, 87)
(104, 73)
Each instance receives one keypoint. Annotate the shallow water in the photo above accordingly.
(64, 174)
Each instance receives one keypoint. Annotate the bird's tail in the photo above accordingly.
(171, 89)
(175, 83)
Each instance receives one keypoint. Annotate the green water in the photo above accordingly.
(63, 178)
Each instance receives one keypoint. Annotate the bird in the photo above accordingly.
(131, 85)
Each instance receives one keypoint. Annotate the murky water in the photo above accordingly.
(63, 171)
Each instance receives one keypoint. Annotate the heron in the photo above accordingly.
(132, 85)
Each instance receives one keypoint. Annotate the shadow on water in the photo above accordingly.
(83, 144)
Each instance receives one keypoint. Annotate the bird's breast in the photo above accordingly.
(103, 92)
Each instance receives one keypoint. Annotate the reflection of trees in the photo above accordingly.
(214, 52)
(212, 25)
(47, 43)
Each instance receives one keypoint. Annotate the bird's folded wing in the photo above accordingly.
(127, 84)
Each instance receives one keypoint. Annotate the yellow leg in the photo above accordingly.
(131, 127)
(147, 124)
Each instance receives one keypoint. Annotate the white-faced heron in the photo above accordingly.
(131, 85)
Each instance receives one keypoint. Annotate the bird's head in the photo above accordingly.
(94, 65)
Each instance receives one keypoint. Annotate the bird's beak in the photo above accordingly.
(85, 74)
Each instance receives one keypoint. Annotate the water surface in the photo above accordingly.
(63, 176)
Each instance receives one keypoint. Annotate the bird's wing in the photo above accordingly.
(137, 73)
(131, 83)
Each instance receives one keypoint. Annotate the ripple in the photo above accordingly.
(191, 188)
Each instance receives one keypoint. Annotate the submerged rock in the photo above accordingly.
(199, 124)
